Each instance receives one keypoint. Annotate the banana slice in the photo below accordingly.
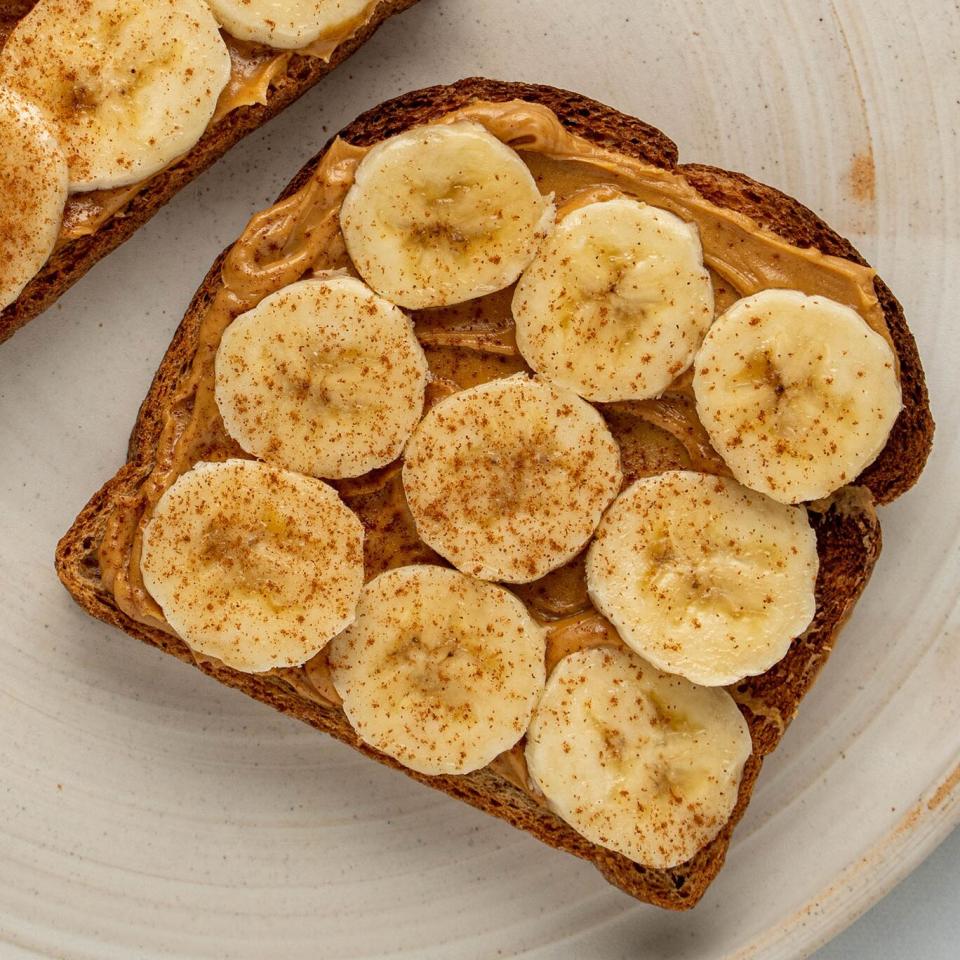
(131, 86)
(323, 377)
(616, 302)
(797, 393)
(253, 565)
(442, 214)
(703, 577)
(439, 671)
(508, 480)
(33, 190)
(285, 24)
(635, 760)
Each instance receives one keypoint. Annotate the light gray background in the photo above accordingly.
(919, 919)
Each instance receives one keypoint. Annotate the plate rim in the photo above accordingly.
(866, 880)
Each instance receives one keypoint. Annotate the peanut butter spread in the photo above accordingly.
(255, 69)
(466, 344)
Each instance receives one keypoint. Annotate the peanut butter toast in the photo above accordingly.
(467, 345)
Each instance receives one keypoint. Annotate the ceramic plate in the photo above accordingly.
(147, 812)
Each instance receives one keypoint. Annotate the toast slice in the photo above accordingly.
(846, 525)
(73, 258)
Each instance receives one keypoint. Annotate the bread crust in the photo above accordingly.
(71, 261)
(847, 529)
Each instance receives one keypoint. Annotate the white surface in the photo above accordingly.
(146, 811)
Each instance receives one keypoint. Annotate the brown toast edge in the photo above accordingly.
(848, 533)
(901, 461)
(71, 261)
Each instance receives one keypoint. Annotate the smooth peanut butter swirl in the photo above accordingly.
(466, 344)
(298, 234)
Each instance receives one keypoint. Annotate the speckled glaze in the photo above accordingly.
(147, 812)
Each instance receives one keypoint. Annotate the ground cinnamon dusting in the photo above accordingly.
(466, 345)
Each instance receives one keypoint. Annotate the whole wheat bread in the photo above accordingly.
(73, 259)
(847, 529)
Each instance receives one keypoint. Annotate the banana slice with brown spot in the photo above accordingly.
(636, 760)
(439, 671)
(254, 565)
(443, 213)
(616, 302)
(703, 577)
(130, 86)
(508, 480)
(323, 377)
(797, 393)
(33, 191)
(286, 24)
